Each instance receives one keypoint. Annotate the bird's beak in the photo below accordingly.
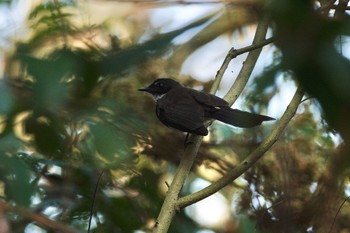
(146, 89)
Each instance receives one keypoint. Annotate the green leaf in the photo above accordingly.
(247, 225)
(6, 98)
(16, 176)
(110, 142)
(6, 2)
(46, 133)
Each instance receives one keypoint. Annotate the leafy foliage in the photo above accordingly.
(73, 130)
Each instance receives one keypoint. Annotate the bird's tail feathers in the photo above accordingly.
(239, 118)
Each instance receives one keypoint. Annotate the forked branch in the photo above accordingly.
(251, 159)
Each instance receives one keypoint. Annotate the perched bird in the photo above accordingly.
(187, 109)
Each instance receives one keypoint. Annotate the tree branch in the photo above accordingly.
(233, 53)
(228, 21)
(250, 160)
(40, 219)
(169, 207)
(248, 64)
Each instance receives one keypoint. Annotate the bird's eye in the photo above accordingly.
(159, 84)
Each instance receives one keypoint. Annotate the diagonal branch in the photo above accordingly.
(39, 219)
(224, 22)
(169, 207)
(251, 159)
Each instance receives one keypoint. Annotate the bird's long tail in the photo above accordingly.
(239, 118)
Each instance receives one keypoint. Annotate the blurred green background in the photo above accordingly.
(73, 123)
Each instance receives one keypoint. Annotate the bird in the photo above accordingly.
(187, 110)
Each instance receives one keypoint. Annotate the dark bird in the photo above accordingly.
(187, 109)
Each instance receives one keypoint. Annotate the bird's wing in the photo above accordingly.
(183, 117)
(207, 99)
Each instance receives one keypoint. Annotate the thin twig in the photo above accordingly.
(335, 217)
(236, 52)
(250, 160)
(94, 199)
(307, 98)
(233, 53)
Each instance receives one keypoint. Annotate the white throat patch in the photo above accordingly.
(158, 97)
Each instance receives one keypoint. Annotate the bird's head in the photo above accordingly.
(160, 87)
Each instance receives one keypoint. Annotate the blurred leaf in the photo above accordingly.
(47, 137)
(264, 86)
(123, 213)
(6, 98)
(9, 141)
(16, 176)
(246, 225)
(48, 89)
(5, 2)
(126, 58)
(49, 7)
(111, 142)
(183, 224)
(307, 41)
(150, 198)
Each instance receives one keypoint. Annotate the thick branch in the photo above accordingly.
(250, 160)
(169, 207)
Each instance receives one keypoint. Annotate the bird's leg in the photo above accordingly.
(187, 140)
